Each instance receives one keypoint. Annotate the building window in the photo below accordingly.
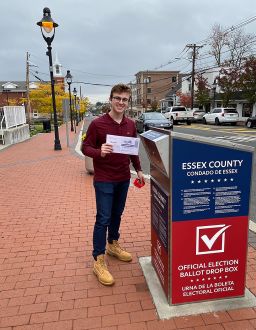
(35, 114)
(174, 79)
(147, 80)
(148, 101)
(57, 69)
(149, 90)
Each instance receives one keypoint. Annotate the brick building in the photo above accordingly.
(152, 86)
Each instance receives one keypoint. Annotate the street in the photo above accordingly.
(239, 134)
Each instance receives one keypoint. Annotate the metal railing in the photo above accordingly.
(11, 116)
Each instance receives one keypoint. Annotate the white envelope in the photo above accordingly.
(124, 144)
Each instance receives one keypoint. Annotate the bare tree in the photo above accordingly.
(218, 40)
(240, 46)
(230, 46)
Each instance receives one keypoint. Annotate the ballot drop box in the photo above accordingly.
(200, 196)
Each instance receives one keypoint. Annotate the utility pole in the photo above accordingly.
(194, 53)
(80, 103)
(146, 93)
(146, 81)
(131, 101)
(27, 91)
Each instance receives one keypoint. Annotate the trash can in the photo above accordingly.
(89, 165)
(88, 160)
(47, 125)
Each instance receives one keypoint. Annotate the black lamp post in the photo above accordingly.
(75, 95)
(48, 26)
(69, 82)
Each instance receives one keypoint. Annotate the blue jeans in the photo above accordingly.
(110, 202)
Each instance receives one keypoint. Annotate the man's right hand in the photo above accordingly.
(105, 149)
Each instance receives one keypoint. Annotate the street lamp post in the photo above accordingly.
(75, 95)
(69, 82)
(48, 26)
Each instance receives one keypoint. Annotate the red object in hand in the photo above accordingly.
(138, 183)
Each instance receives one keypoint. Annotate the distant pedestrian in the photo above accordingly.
(111, 179)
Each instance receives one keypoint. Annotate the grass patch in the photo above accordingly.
(36, 128)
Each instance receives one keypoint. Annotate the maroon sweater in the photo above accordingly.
(114, 167)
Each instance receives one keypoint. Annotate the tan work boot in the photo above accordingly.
(100, 269)
(115, 250)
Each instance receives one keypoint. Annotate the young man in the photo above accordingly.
(111, 179)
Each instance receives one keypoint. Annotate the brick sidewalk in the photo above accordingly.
(46, 281)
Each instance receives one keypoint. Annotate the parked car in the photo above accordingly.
(179, 114)
(220, 116)
(152, 119)
(251, 122)
(198, 114)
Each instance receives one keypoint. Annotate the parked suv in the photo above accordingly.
(179, 114)
(220, 116)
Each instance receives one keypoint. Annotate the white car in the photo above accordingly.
(220, 116)
(198, 114)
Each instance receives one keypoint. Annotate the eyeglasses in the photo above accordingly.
(119, 99)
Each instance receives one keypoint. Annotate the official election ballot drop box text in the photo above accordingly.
(200, 195)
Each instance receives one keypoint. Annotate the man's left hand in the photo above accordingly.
(140, 176)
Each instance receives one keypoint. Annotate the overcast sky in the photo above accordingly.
(108, 41)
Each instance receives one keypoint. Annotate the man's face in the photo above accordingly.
(119, 102)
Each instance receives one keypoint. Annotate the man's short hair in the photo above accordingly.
(120, 88)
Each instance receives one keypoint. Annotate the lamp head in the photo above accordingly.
(68, 77)
(74, 92)
(47, 23)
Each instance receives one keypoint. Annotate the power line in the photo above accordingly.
(87, 83)
(38, 78)
(228, 30)
(173, 60)
(228, 50)
(98, 74)
(39, 72)
(233, 27)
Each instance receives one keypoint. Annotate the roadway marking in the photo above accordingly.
(228, 130)
(241, 138)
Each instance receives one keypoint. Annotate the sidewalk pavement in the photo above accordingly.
(46, 280)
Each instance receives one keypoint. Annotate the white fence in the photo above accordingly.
(14, 116)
